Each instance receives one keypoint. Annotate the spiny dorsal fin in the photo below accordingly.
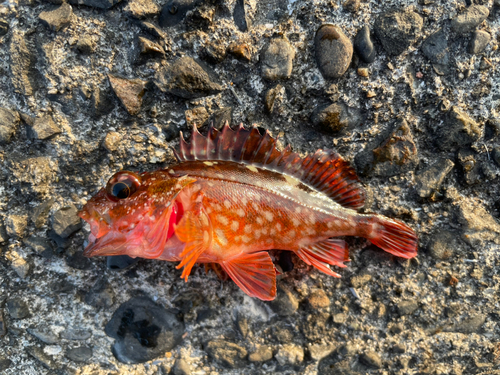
(324, 171)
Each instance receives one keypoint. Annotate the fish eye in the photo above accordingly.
(122, 185)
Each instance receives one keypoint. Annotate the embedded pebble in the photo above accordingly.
(363, 45)
(58, 18)
(435, 48)
(9, 120)
(240, 16)
(459, 129)
(371, 359)
(398, 30)
(18, 309)
(263, 353)
(15, 225)
(443, 244)
(44, 127)
(141, 9)
(277, 59)
(228, 354)
(290, 354)
(44, 334)
(101, 4)
(174, 11)
(478, 42)
(80, 354)
(469, 19)
(181, 367)
(430, 180)
(41, 212)
(332, 118)
(333, 51)
(129, 91)
(285, 304)
(65, 221)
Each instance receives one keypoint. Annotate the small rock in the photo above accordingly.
(407, 307)
(469, 325)
(3, 329)
(21, 65)
(285, 303)
(101, 294)
(371, 359)
(65, 221)
(101, 4)
(290, 354)
(242, 325)
(129, 91)
(458, 130)
(75, 334)
(18, 309)
(201, 17)
(44, 334)
(363, 45)
(112, 141)
(152, 29)
(85, 45)
(43, 128)
(274, 99)
(58, 18)
(240, 16)
(181, 367)
(188, 79)
(3, 233)
(470, 167)
(196, 116)
(435, 48)
(220, 117)
(469, 19)
(352, 5)
(4, 29)
(333, 51)
(41, 213)
(283, 334)
(81, 354)
(332, 118)
(398, 349)
(15, 225)
(149, 47)
(320, 351)
(141, 9)
(277, 59)
(18, 264)
(9, 120)
(397, 30)
(339, 318)
(443, 244)
(361, 279)
(476, 223)
(174, 11)
(39, 244)
(262, 354)
(478, 42)
(214, 52)
(319, 300)
(240, 51)
(120, 262)
(46, 360)
(430, 180)
(496, 155)
(5, 363)
(492, 129)
(143, 330)
(228, 354)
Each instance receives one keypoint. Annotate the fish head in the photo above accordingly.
(134, 214)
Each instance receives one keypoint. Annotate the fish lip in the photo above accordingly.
(107, 245)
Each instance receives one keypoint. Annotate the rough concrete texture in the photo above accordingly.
(436, 314)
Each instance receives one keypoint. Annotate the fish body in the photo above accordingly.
(232, 197)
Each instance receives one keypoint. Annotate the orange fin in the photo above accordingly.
(254, 274)
(323, 171)
(195, 230)
(395, 237)
(321, 254)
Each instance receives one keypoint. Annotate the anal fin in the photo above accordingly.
(254, 274)
(331, 251)
(195, 230)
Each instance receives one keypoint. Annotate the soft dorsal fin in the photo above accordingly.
(324, 171)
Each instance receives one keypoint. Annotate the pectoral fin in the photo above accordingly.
(254, 274)
(321, 254)
(195, 230)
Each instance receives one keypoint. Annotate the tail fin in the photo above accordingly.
(394, 236)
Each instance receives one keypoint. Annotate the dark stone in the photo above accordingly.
(143, 330)
(220, 117)
(371, 359)
(489, 170)
(4, 29)
(120, 262)
(397, 30)
(9, 120)
(186, 301)
(61, 243)
(407, 307)
(3, 326)
(285, 303)
(277, 59)
(213, 52)
(240, 16)
(470, 167)
(43, 128)
(181, 367)
(188, 79)
(333, 51)
(101, 294)
(391, 153)
(478, 42)
(44, 334)
(65, 221)
(492, 129)
(58, 18)
(496, 155)
(85, 45)
(148, 47)
(429, 181)
(102, 101)
(351, 5)
(363, 45)
(39, 244)
(129, 92)
(398, 349)
(45, 360)
(174, 11)
(226, 353)
(332, 118)
(18, 309)
(81, 354)
(201, 17)
(152, 29)
(78, 261)
(443, 244)
(469, 19)
(5, 363)
(435, 48)
(101, 4)
(458, 130)
(41, 213)
(3, 233)
(76, 334)
(21, 65)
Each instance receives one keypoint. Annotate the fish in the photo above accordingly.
(232, 197)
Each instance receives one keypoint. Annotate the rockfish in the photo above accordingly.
(233, 196)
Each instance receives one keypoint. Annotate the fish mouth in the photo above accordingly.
(112, 243)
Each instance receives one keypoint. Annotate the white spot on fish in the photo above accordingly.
(248, 228)
(227, 203)
(235, 226)
(171, 171)
(222, 219)
(259, 220)
(278, 227)
(268, 215)
(209, 163)
(298, 209)
(252, 168)
(245, 239)
(221, 237)
(296, 222)
(240, 212)
(291, 234)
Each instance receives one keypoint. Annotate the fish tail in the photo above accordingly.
(393, 236)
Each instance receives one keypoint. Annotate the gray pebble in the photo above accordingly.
(240, 16)
(81, 354)
(407, 307)
(443, 244)
(188, 79)
(9, 120)
(3, 325)
(58, 18)
(496, 155)
(101, 4)
(469, 19)
(181, 367)
(285, 303)
(21, 65)
(129, 92)
(478, 42)
(371, 359)
(277, 59)
(363, 45)
(65, 221)
(41, 213)
(5, 363)
(430, 180)
(44, 334)
(101, 294)
(174, 11)
(398, 349)
(333, 51)
(228, 354)
(41, 245)
(469, 325)
(43, 128)
(397, 30)
(76, 259)
(489, 169)
(18, 309)
(458, 130)
(332, 118)
(15, 225)
(76, 334)
(351, 5)
(45, 360)
(435, 48)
